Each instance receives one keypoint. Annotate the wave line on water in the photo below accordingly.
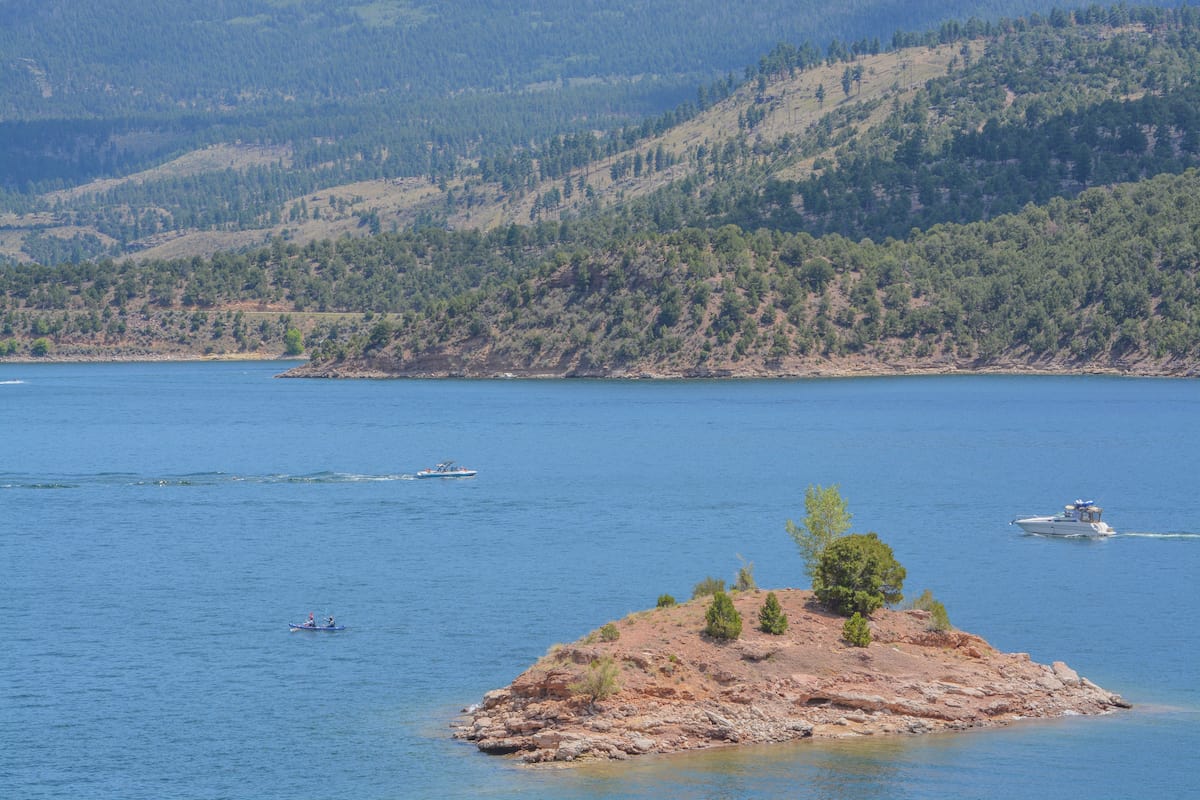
(1152, 535)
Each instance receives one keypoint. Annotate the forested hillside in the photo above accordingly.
(1019, 195)
(1110, 280)
(293, 100)
(1026, 116)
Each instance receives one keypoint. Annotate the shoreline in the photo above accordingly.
(1190, 372)
(303, 367)
(458, 365)
(831, 372)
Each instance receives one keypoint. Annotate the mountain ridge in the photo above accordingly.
(352, 142)
(707, 266)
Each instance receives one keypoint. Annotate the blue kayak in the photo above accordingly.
(296, 627)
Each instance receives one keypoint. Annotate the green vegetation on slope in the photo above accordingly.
(1110, 278)
(1035, 112)
(342, 93)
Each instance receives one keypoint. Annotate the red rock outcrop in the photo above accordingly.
(680, 690)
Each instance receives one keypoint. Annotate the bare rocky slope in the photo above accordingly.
(680, 690)
(449, 364)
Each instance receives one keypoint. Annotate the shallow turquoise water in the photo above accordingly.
(164, 523)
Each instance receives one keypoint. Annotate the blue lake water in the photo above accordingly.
(164, 522)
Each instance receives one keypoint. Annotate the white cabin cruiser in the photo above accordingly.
(1081, 518)
(446, 469)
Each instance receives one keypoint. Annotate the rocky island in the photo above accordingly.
(677, 689)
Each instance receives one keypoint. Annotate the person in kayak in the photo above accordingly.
(312, 623)
(330, 622)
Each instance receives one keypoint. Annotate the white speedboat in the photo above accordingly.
(446, 469)
(1081, 518)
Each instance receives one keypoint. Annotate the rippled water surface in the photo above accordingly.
(164, 523)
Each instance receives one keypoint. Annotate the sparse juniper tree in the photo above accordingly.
(825, 519)
(858, 574)
(771, 618)
(724, 621)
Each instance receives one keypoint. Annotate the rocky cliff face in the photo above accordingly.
(679, 690)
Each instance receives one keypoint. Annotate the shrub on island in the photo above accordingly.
(856, 631)
(708, 586)
(745, 578)
(939, 620)
(599, 682)
(771, 618)
(724, 621)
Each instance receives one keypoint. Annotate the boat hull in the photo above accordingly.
(1048, 526)
(457, 473)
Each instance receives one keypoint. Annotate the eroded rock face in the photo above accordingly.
(679, 690)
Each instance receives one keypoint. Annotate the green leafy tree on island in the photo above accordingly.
(858, 574)
(293, 342)
(825, 519)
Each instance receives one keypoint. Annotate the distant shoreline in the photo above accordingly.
(349, 371)
(137, 358)
(841, 369)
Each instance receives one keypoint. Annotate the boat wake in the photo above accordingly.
(17, 481)
(11, 383)
(6, 482)
(326, 477)
(1149, 535)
